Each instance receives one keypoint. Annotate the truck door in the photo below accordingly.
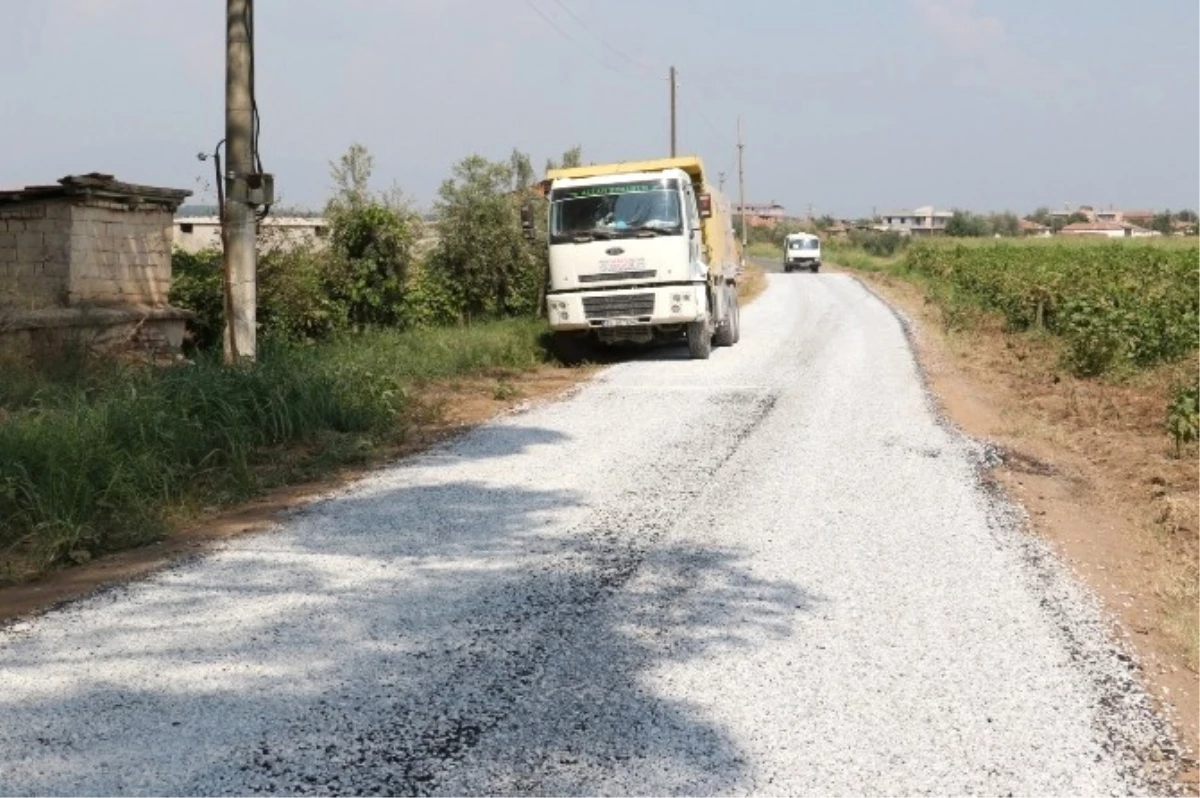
(695, 237)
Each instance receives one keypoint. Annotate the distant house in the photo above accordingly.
(1031, 228)
(196, 233)
(764, 214)
(1139, 218)
(1110, 215)
(837, 230)
(921, 221)
(1108, 230)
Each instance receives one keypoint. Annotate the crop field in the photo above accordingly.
(1118, 306)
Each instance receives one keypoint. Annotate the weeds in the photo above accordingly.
(91, 463)
(1183, 416)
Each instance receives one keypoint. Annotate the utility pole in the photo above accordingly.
(672, 112)
(742, 186)
(238, 222)
(721, 181)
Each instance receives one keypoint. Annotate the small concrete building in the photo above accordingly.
(88, 259)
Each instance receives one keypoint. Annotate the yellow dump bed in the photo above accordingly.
(690, 164)
(723, 249)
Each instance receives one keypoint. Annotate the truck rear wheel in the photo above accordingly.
(725, 331)
(699, 340)
(737, 317)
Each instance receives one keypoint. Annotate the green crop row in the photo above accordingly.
(1118, 305)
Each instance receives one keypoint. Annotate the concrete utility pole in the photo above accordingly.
(741, 186)
(238, 224)
(672, 112)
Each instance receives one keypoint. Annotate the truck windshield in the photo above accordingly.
(805, 243)
(617, 210)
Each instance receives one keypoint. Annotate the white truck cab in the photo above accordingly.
(801, 251)
(635, 255)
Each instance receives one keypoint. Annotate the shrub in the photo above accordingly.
(482, 257)
(1183, 416)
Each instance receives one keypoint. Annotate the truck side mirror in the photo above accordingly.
(527, 220)
(705, 206)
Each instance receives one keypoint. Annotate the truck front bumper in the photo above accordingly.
(643, 306)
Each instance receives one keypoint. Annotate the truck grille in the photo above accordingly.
(618, 305)
(596, 278)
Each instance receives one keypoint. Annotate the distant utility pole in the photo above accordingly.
(238, 223)
(721, 181)
(672, 112)
(742, 186)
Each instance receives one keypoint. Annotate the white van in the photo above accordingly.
(801, 251)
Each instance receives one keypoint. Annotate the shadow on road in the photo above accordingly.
(455, 638)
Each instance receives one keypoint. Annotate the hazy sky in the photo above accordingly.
(847, 104)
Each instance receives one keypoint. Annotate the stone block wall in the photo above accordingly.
(35, 254)
(119, 256)
(56, 253)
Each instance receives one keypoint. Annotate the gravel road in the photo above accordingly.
(773, 572)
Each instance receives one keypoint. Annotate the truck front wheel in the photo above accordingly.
(570, 348)
(699, 340)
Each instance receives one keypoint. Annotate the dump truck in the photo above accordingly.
(640, 251)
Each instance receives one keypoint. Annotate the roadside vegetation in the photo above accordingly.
(103, 456)
(99, 454)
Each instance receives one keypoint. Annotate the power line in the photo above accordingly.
(611, 48)
(573, 40)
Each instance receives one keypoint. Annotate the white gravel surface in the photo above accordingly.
(774, 572)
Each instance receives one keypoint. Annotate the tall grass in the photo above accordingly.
(96, 459)
(765, 249)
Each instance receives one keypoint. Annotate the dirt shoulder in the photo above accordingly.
(1096, 473)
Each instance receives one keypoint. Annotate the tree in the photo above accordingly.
(1005, 224)
(371, 243)
(351, 174)
(1163, 223)
(1187, 216)
(1041, 216)
(964, 224)
(481, 252)
(571, 158)
(1077, 217)
(522, 169)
